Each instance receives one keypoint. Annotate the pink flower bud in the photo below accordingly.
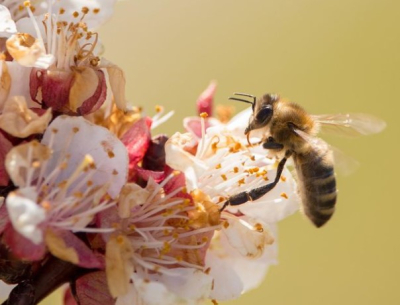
(205, 101)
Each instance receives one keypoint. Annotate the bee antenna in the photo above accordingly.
(242, 100)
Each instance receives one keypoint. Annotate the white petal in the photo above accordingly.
(25, 25)
(131, 195)
(78, 137)
(249, 239)
(252, 271)
(188, 284)
(153, 293)
(274, 206)
(116, 81)
(238, 119)
(184, 286)
(5, 82)
(20, 77)
(234, 272)
(28, 51)
(227, 283)
(179, 159)
(7, 25)
(130, 298)
(93, 20)
(25, 216)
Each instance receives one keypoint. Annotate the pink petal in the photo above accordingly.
(96, 241)
(97, 99)
(87, 258)
(5, 146)
(23, 247)
(176, 182)
(107, 219)
(137, 141)
(92, 289)
(205, 101)
(38, 111)
(69, 298)
(4, 220)
(193, 125)
(146, 174)
(54, 87)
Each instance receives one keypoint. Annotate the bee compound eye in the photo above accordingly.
(264, 114)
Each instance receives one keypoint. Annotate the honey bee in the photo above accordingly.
(289, 131)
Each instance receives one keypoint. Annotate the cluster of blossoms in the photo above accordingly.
(91, 198)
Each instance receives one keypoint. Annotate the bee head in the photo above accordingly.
(263, 111)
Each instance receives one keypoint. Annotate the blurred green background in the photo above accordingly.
(329, 56)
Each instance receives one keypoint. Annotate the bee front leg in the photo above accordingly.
(271, 144)
(258, 192)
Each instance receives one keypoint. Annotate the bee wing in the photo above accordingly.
(344, 164)
(350, 124)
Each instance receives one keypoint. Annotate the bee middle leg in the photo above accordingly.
(258, 192)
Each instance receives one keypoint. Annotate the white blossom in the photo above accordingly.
(63, 180)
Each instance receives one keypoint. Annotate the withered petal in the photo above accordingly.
(17, 164)
(19, 121)
(23, 247)
(51, 87)
(5, 147)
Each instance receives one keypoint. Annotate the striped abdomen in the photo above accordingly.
(316, 184)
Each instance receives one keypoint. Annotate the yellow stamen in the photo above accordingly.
(46, 205)
(259, 227)
(110, 154)
(120, 239)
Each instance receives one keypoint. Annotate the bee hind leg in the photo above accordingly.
(258, 192)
